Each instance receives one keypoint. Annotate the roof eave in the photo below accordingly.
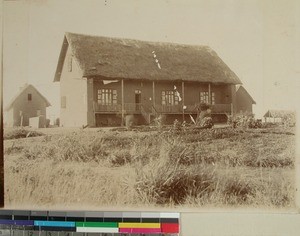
(61, 60)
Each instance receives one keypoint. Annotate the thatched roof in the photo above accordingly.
(241, 89)
(134, 59)
(21, 91)
(278, 113)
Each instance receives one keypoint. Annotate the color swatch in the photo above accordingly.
(91, 221)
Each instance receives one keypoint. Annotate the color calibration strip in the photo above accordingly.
(91, 221)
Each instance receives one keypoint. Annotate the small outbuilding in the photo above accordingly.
(28, 103)
(280, 116)
(244, 101)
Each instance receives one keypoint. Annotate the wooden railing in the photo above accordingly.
(132, 107)
(145, 114)
(168, 109)
(221, 108)
(107, 108)
(137, 108)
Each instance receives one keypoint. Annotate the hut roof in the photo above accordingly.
(134, 59)
(241, 89)
(278, 113)
(23, 89)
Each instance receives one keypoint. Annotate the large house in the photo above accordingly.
(103, 80)
(28, 103)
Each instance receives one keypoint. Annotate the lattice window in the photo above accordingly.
(169, 98)
(107, 96)
(204, 97)
(212, 98)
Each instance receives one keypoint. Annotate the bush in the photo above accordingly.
(13, 149)
(238, 190)
(244, 121)
(121, 158)
(289, 120)
(115, 141)
(47, 123)
(129, 121)
(160, 121)
(168, 185)
(197, 135)
(21, 132)
(57, 122)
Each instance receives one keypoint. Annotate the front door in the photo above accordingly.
(138, 100)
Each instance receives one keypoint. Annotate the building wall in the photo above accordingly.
(243, 102)
(192, 91)
(9, 118)
(28, 108)
(74, 88)
(233, 98)
(129, 90)
(223, 95)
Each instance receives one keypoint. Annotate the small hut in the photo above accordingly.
(279, 116)
(28, 103)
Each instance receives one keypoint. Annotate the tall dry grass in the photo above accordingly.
(221, 167)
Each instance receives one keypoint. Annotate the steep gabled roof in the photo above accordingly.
(26, 87)
(279, 113)
(241, 89)
(134, 59)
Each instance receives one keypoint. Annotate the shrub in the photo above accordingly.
(197, 135)
(181, 154)
(13, 149)
(289, 120)
(21, 132)
(121, 158)
(237, 190)
(169, 185)
(96, 148)
(71, 147)
(129, 121)
(244, 121)
(57, 122)
(160, 121)
(47, 123)
(113, 140)
(270, 161)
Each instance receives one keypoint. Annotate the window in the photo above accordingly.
(29, 96)
(169, 98)
(212, 98)
(70, 61)
(204, 97)
(107, 96)
(63, 102)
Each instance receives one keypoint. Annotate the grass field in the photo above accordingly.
(111, 168)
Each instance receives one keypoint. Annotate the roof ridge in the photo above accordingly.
(137, 59)
(139, 40)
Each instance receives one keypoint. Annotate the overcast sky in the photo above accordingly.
(258, 40)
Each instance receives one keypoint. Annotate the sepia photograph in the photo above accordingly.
(150, 104)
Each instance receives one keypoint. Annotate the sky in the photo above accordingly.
(258, 40)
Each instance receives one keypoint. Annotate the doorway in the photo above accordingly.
(138, 100)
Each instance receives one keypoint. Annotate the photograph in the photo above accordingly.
(173, 105)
